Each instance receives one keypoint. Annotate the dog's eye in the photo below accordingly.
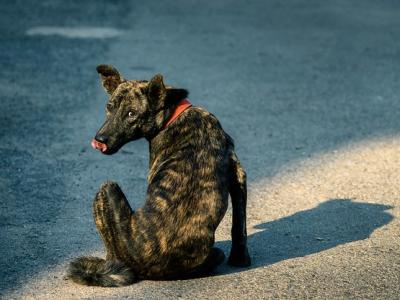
(130, 114)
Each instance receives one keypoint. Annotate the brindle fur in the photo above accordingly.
(193, 168)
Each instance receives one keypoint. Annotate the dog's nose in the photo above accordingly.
(101, 138)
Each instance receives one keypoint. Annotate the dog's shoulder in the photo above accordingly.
(199, 118)
(207, 122)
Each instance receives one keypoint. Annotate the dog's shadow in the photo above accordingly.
(331, 223)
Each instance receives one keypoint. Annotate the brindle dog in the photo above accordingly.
(193, 168)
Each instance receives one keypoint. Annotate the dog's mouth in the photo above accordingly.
(103, 148)
(99, 146)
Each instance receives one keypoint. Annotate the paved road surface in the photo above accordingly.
(308, 89)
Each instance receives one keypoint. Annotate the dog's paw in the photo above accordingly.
(239, 258)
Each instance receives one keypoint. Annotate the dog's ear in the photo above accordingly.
(175, 95)
(110, 77)
(157, 91)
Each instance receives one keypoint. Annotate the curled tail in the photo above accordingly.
(99, 272)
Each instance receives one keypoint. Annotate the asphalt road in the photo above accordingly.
(308, 89)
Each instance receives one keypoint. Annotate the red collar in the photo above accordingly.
(180, 108)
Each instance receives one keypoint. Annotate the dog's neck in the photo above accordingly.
(162, 141)
(165, 117)
(180, 108)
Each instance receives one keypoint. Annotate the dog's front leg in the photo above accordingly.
(239, 255)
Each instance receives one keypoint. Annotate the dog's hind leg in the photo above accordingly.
(239, 255)
(112, 215)
(213, 260)
(215, 257)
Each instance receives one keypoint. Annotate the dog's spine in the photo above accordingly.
(95, 271)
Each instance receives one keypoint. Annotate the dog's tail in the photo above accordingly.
(99, 272)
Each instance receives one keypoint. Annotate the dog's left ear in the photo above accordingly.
(175, 95)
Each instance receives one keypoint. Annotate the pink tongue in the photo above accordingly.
(99, 146)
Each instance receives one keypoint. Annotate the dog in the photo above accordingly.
(193, 169)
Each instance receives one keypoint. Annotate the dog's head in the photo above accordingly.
(135, 109)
